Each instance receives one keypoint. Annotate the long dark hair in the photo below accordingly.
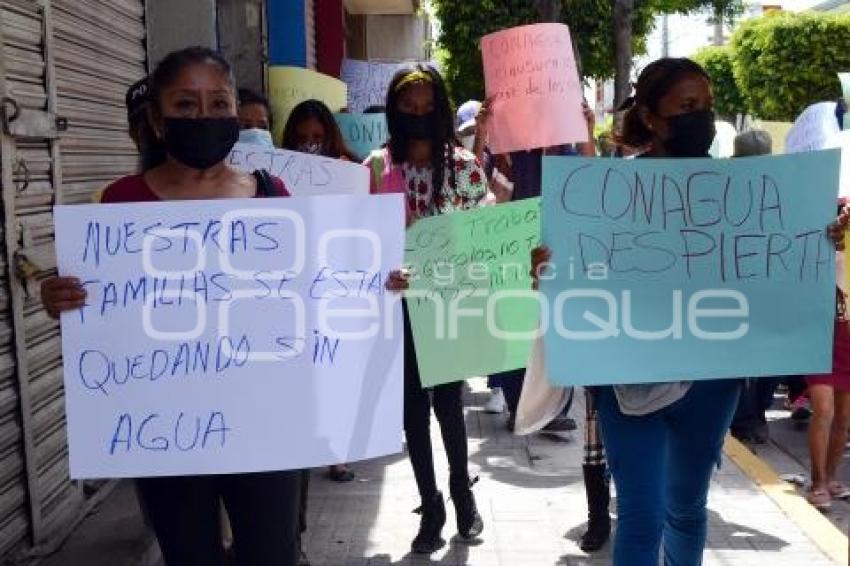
(444, 140)
(152, 151)
(334, 145)
(176, 62)
(655, 81)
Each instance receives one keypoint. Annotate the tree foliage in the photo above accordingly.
(591, 24)
(462, 25)
(784, 62)
(717, 61)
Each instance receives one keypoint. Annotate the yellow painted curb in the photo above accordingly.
(818, 528)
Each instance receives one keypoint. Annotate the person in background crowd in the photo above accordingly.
(311, 128)
(375, 109)
(467, 117)
(474, 139)
(254, 110)
(830, 397)
(798, 400)
(664, 439)
(193, 113)
(753, 143)
(151, 150)
(254, 119)
(594, 465)
(151, 154)
(526, 174)
(424, 160)
(750, 421)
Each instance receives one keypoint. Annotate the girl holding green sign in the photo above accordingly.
(424, 160)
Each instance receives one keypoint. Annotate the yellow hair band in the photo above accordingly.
(414, 77)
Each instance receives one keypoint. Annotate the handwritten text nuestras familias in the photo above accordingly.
(209, 325)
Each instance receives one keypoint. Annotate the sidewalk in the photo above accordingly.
(531, 496)
(532, 499)
(788, 453)
(112, 535)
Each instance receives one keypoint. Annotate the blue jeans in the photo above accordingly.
(662, 465)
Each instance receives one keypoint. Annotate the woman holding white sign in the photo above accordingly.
(193, 113)
(424, 160)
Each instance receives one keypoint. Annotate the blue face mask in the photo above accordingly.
(256, 136)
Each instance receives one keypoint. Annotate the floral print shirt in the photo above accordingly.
(468, 191)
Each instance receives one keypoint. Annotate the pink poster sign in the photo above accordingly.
(531, 77)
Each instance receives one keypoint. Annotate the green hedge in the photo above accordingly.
(717, 61)
(784, 62)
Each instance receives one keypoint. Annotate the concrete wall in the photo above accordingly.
(241, 28)
(175, 24)
(388, 37)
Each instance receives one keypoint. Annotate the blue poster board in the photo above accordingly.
(363, 133)
(682, 269)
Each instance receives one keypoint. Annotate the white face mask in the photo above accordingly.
(256, 136)
(313, 148)
(468, 141)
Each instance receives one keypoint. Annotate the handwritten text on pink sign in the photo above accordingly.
(531, 76)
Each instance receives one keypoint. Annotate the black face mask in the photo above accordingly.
(152, 156)
(417, 127)
(200, 143)
(690, 134)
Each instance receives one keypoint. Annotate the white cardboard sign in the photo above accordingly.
(812, 128)
(368, 81)
(303, 174)
(232, 336)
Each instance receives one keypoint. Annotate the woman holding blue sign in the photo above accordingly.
(193, 113)
(424, 160)
(664, 439)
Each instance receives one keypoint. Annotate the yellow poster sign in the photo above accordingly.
(290, 85)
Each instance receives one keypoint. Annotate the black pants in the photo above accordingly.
(756, 398)
(302, 507)
(796, 386)
(263, 511)
(511, 382)
(448, 406)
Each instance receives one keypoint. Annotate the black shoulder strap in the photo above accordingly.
(265, 186)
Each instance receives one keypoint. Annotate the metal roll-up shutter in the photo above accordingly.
(310, 32)
(36, 497)
(99, 53)
(74, 59)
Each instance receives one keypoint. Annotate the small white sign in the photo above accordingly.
(303, 174)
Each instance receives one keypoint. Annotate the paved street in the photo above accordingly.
(532, 499)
